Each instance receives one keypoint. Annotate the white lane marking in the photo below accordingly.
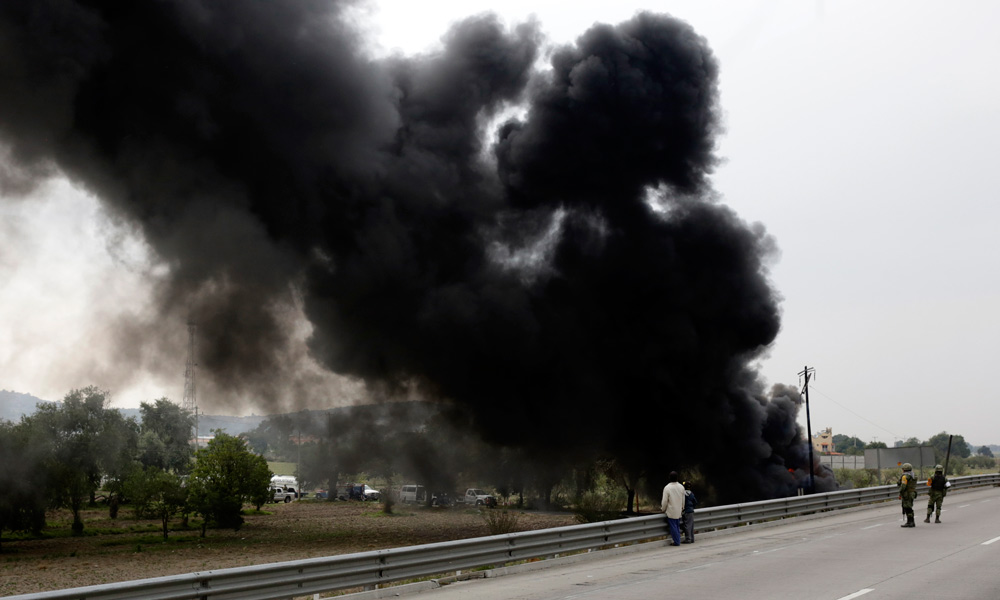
(873, 526)
(705, 566)
(756, 552)
(988, 542)
(964, 505)
(857, 593)
(990, 500)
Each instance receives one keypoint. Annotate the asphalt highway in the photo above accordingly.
(849, 554)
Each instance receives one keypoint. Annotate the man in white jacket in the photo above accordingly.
(673, 505)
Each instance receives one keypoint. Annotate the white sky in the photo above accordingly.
(863, 135)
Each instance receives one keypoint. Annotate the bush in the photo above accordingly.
(856, 478)
(500, 521)
(593, 507)
(981, 462)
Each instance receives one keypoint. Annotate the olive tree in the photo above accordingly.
(84, 442)
(226, 476)
(24, 497)
(165, 436)
(157, 494)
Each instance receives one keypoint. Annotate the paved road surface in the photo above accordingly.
(853, 554)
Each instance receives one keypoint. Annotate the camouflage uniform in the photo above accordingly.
(939, 489)
(907, 493)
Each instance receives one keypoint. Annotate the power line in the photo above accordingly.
(870, 422)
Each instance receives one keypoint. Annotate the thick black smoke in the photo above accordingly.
(571, 283)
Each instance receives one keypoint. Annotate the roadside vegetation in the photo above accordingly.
(80, 453)
(80, 477)
(961, 460)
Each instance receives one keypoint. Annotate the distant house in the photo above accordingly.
(202, 441)
(823, 441)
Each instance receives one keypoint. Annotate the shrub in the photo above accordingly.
(981, 462)
(593, 507)
(500, 521)
(856, 478)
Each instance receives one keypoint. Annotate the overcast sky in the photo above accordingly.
(862, 135)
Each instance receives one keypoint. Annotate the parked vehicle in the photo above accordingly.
(412, 494)
(442, 499)
(479, 498)
(288, 482)
(280, 494)
(358, 491)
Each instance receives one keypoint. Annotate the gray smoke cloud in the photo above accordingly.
(571, 283)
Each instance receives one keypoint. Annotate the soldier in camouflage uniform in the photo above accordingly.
(939, 488)
(907, 493)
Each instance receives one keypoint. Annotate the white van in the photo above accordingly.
(411, 494)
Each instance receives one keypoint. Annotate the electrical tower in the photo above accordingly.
(190, 401)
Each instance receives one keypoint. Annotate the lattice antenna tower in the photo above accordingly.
(190, 400)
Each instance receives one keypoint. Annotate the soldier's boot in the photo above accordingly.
(937, 518)
(928, 519)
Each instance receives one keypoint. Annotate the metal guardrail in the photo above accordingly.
(278, 581)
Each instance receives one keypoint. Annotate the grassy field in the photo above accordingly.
(125, 549)
(282, 468)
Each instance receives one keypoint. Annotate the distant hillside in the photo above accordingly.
(15, 404)
(230, 425)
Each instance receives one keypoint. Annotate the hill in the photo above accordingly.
(13, 405)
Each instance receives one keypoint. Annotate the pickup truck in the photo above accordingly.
(479, 498)
(280, 494)
(358, 492)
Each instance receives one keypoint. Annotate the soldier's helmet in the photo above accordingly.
(907, 467)
(938, 468)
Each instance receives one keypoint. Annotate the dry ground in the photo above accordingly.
(126, 549)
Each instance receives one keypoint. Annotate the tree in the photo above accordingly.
(226, 475)
(628, 478)
(981, 461)
(24, 497)
(165, 440)
(259, 495)
(119, 441)
(86, 441)
(872, 445)
(939, 442)
(985, 451)
(156, 494)
(848, 445)
(275, 436)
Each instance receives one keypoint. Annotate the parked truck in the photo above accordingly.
(358, 491)
(479, 498)
(288, 483)
(282, 494)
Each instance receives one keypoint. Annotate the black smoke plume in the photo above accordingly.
(570, 281)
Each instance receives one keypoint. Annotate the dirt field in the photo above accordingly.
(126, 549)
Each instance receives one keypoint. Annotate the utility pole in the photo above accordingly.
(190, 401)
(806, 372)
